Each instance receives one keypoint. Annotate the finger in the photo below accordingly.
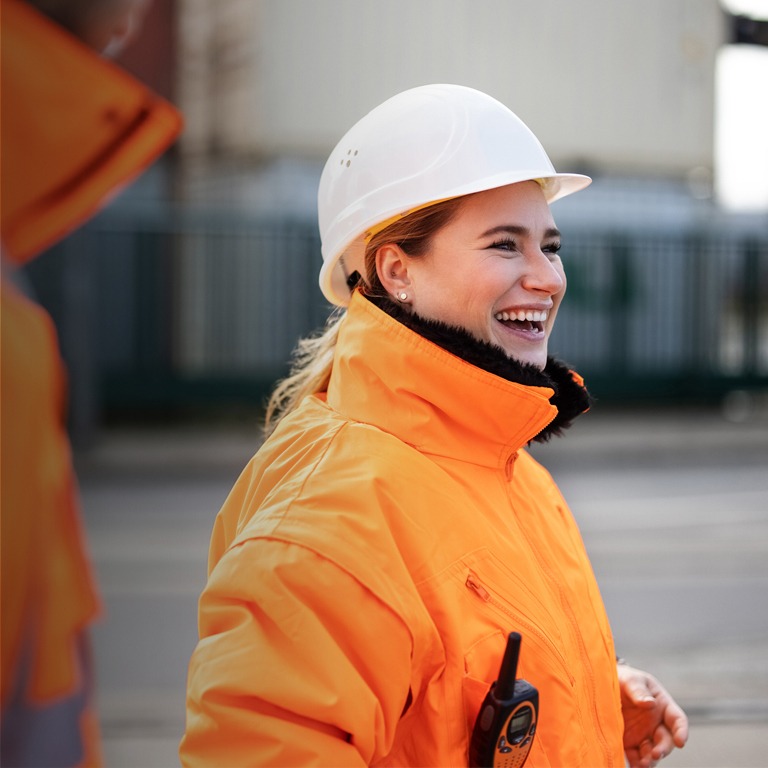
(633, 757)
(636, 759)
(677, 722)
(646, 750)
(674, 717)
(662, 743)
(638, 691)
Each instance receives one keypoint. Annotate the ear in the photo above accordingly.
(392, 268)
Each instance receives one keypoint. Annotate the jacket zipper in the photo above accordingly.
(582, 650)
(474, 583)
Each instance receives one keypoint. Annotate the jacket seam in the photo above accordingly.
(289, 505)
(291, 543)
(275, 532)
(585, 660)
(378, 598)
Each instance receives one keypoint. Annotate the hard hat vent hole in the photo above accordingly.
(349, 152)
(348, 161)
(355, 151)
(342, 161)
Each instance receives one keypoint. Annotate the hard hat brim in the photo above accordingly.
(333, 281)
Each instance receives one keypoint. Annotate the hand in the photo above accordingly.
(653, 723)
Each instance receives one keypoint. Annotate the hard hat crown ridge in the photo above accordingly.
(421, 146)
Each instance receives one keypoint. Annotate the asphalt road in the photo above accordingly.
(673, 510)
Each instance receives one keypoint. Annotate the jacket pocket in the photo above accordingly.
(474, 692)
(490, 600)
(481, 663)
(498, 601)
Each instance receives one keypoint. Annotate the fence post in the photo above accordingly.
(695, 285)
(152, 326)
(751, 308)
(619, 301)
(78, 339)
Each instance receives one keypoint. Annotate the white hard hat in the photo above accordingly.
(424, 145)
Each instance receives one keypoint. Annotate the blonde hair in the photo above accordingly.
(313, 359)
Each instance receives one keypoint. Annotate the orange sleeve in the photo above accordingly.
(298, 664)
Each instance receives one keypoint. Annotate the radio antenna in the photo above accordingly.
(505, 687)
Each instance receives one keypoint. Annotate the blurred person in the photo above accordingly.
(369, 563)
(75, 129)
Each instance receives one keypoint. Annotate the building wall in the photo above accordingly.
(623, 87)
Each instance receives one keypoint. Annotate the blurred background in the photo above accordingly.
(179, 305)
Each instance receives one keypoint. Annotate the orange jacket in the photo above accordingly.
(46, 575)
(372, 557)
(75, 128)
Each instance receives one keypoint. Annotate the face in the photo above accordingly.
(494, 270)
(112, 24)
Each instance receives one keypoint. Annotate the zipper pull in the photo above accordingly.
(474, 584)
(509, 468)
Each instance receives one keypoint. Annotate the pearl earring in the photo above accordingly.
(402, 296)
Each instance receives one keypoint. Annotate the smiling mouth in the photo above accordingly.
(526, 321)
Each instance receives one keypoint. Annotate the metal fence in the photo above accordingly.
(665, 316)
(161, 310)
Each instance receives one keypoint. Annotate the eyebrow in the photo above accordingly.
(522, 231)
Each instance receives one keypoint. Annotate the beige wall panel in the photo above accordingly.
(621, 84)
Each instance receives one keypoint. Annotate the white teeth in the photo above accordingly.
(536, 317)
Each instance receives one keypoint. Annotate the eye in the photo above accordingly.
(552, 248)
(504, 245)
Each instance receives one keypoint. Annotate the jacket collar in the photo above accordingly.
(388, 375)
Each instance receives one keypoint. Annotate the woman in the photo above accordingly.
(369, 563)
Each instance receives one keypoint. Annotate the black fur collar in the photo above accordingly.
(570, 399)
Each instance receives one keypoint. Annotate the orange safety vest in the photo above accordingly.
(75, 128)
(369, 563)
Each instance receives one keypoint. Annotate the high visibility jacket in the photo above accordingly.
(49, 595)
(372, 558)
(75, 129)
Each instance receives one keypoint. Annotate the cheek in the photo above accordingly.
(451, 290)
(556, 301)
(558, 297)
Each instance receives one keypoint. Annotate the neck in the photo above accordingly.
(571, 398)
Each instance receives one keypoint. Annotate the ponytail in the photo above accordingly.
(310, 372)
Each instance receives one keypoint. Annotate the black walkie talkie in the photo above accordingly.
(506, 724)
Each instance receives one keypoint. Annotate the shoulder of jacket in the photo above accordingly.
(336, 488)
(303, 479)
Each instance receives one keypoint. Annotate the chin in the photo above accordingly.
(537, 358)
(519, 346)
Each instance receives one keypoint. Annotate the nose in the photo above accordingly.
(543, 276)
